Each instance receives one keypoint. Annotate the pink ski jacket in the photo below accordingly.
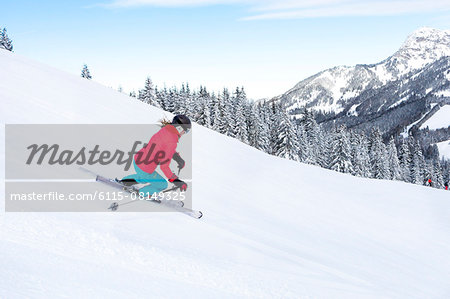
(159, 151)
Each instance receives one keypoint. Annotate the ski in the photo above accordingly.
(176, 206)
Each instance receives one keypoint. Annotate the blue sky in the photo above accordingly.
(266, 46)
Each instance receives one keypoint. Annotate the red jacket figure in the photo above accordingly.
(159, 151)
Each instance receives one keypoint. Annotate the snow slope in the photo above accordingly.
(441, 119)
(444, 149)
(272, 227)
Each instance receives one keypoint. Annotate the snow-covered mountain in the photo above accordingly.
(338, 89)
(271, 227)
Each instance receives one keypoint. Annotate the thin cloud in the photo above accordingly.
(349, 8)
(166, 3)
(296, 9)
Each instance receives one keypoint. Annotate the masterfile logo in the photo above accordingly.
(46, 167)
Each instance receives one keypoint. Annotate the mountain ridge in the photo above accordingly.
(328, 90)
(407, 85)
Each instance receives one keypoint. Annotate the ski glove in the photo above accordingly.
(177, 158)
(179, 183)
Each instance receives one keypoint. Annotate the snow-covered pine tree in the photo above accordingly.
(5, 41)
(274, 120)
(179, 102)
(203, 113)
(265, 112)
(85, 73)
(304, 150)
(253, 122)
(378, 156)
(428, 173)
(404, 156)
(432, 173)
(417, 162)
(445, 170)
(340, 155)
(394, 164)
(217, 114)
(239, 125)
(170, 100)
(312, 136)
(148, 94)
(287, 142)
(161, 96)
(324, 145)
(2, 39)
(258, 131)
(228, 120)
(220, 123)
(212, 108)
(263, 136)
(189, 102)
(360, 155)
(437, 174)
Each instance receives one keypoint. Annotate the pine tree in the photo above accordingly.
(258, 131)
(253, 123)
(85, 73)
(274, 120)
(169, 100)
(378, 156)
(304, 150)
(340, 159)
(324, 145)
(265, 112)
(437, 174)
(262, 137)
(220, 123)
(189, 107)
(312, 136)
(2, 38)
(287, 143)
(212, 107)
(203, 113)
(394, 164)
(227, 122)
(417, 163)
(161, 97)
(360, 155)
(239, 124)
(5, 41)
(181, 107)
(148, 94)
(405, 161)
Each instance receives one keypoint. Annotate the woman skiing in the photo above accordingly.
(159, 151)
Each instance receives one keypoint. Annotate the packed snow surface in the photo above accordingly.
(271, 227)
(441, 119)
(444, 149)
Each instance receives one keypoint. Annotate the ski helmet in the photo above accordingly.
(183, 121)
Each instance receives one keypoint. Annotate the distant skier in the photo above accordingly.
(446, 185)
(429, 182)
(159, 151)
